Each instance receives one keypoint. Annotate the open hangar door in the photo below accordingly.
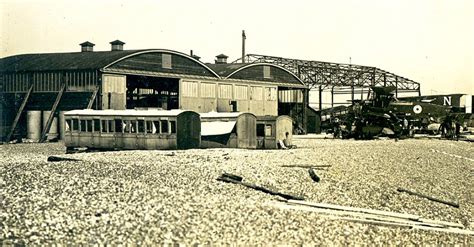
(152, 92)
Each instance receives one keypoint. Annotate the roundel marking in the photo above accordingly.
(417, 109)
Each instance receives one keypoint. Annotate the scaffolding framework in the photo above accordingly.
(337, 77)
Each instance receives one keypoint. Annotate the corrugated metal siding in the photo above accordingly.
(208, 90)
(225, 91)
(290, 96)
(241, 92)
(51, 81)
(190, 88)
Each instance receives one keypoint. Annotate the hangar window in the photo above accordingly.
(225, 91)
(266, 72)
(256, 93)
(270, 94)
(208, 90)
(241, 92)
(166, 61)
(190, 89)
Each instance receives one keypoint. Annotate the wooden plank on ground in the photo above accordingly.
(354, 209)
(306, 166)
(361, 215)
(440, 222)
(452, 204)
(378, 219)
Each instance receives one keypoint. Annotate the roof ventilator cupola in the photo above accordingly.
(87, 46)
(117, 45)
(221, 59)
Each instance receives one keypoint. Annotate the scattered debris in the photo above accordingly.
(57, 159)
(376, 217)
(231, 178)
(306, 166)
(313, 175)
(452, 204)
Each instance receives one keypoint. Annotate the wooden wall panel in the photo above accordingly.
(113, 92)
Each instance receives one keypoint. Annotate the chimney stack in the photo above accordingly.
(243, 46)
(87, 46)
(117, 45)
(221, 59)
(194, 56)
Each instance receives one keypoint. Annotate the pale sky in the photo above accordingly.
(429, 41)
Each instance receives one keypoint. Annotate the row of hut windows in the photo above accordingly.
(49, 81)
(162, 126)
(228, 91)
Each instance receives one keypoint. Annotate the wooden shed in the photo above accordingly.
(228, 129)
(272, 129)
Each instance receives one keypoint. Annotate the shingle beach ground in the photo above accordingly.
(173, 197)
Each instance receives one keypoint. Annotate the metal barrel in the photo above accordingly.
(33, 125)
(61, 125)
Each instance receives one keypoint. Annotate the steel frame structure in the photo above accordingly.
(324, 75)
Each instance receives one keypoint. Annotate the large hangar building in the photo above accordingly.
(37, 88)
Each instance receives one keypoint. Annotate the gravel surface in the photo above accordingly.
(150, 197)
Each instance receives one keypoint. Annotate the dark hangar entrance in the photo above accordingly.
(152, 92)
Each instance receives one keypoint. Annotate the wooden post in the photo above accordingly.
(332, 96)
(51, 116)
(320, 97)
(396, 87)
(20, 111)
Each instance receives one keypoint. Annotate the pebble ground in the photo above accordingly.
(173, 197)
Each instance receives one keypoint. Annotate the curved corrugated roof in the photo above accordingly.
(230, 70)
(226, 69)
(79, 60)
(61, 61)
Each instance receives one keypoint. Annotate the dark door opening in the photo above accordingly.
(152, 92)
